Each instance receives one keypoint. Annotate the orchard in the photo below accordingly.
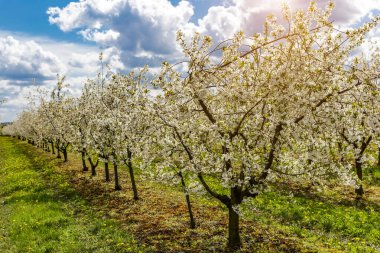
(298, 104)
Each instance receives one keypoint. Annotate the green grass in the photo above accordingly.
(40, 212)
(320, 222)
(372, 175)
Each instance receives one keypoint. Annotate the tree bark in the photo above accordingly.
(52, 148)
(131, 174)
(65, 158)
(359, 172)
(191, 216)
(234, 241)
(107, 172)
(84, 166)
(117, 185)
(93, 166)
(58, 153)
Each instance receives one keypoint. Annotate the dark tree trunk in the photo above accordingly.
(93, 166)
(359, 172)
(93, 170)
(107, 172)
(131, 174)
(234, 241)
(58, 144)
(191, 216)
(117, 185)
(84, 166)
(58, 153)
(52, 148)
(358, 165)
(64, 151)
(378, 158)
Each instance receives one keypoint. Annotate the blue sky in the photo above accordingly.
(29, 16)
(40, 38)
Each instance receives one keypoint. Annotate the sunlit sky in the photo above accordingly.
(41, 38)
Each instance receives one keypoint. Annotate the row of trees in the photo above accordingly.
(291, 103)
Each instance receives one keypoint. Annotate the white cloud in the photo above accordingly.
(144, 30)
(15, 98)
(101, 37)
(87, 13)
(249, 16)
(221, 22)
(27, 60)
(136, 27)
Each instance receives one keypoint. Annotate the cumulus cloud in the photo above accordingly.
(144, 30)
(249, 16)
(27, 60)
(132, 23)
(89, 13)
(101, 37)
(15, 98)
(141, 29)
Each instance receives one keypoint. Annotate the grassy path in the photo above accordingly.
(40, 212)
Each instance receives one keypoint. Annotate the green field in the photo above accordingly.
(40, 212)
(50, 206)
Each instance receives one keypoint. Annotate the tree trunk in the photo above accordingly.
(107, 172)
(359, 172)
(378, 158)
(234, 242)
(58, 153)
(64, 151)
(84, 166)
(93, 170)
(131, 174)
(52, 148)
(93, 166)
(117, 186)
(192, 221)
